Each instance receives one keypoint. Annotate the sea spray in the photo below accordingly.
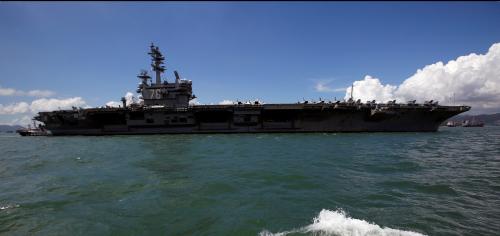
(8, 206)
(337, 223)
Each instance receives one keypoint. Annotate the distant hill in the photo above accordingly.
(490, 119)
(7, 128)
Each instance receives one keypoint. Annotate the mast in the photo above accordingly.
(177, 77)
(144, 77)
(352, 91)
(156, 62)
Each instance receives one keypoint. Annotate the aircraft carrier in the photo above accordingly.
(165, 109)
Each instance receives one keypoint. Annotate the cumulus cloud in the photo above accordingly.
(31, 93)
(21, 107)
(45, 104)
(473, 80)
(129, 97)
(42, 104)
(371, 88)
(113, 104)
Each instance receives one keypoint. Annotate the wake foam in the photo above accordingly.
(8, 206)
(337, 223)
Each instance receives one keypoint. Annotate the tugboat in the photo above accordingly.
(35, 131)
(165, 109)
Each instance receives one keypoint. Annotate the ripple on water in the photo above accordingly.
(385, 197)
(403, 166)
(436, 189)
(217, 189)
(444, 183)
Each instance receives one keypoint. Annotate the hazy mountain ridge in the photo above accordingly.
(6, 128)
(488, 119)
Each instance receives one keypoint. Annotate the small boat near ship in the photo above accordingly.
(453, 123)
(33, 131)
(472, 123)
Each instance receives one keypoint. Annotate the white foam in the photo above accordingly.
(337, 223)
(9, 206)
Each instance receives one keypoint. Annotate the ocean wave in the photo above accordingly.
(337, 223)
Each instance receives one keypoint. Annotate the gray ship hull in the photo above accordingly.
(269, 118)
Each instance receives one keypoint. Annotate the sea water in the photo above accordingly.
(442, 183)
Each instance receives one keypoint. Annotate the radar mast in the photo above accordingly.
(156, 62)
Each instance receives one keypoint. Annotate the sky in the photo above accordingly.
(57, 55)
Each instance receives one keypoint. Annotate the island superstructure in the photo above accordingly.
(165, 109)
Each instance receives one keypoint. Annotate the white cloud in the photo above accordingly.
(25, 120)
(194, 102)
(7, 91)
(371, 88)
(325, 87)
(31, 93)
(129, 97)
(226, 102)
(21, 120)
(113, 104)
(473, 80)
(45, 104)
(42, 104)
(39, 93)
(21, 107)
(322, 86)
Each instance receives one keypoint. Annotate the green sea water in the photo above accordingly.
(443, 183)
